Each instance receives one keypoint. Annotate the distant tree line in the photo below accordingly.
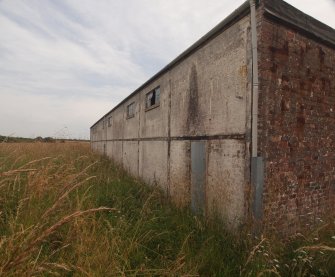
(15, 139)
(46, 139)
(37, 139)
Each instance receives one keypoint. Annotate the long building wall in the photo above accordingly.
(204, 104)
(196, 144)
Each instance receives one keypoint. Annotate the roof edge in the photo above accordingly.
(240, 12)
(302, 22)
(278, 10)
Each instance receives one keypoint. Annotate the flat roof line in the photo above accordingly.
(235, 15)
(276, 9)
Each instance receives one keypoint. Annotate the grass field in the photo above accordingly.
(65, 211)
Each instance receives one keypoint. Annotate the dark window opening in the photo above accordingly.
(153, 98)
(109, 121)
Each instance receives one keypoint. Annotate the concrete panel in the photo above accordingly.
(153, 162)
(94, 146)
(225, 180)
(132, 125)
(99, 131)
(117, 152)
(130, 157)
(100, 147)
(154, 122)
(209, 89)
(180, 173)
(118, 121)
(108, 120)
(109, 149)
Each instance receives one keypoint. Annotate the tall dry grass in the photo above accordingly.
(65, 211)
(36, 183)
(48, 203)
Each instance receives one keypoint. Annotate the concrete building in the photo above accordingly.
(241, 124)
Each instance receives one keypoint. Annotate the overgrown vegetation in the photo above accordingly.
(68, 212)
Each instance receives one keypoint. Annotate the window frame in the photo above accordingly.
(109, 121)
(154, 92)
(127, 111)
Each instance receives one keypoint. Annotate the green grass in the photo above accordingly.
(163, 235)
(45, 190)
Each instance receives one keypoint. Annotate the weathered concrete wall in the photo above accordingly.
(196, 143)
(225, 181)
(153, 166)
(116, 148)
(205, 97)
(297, 138)
(210, 97)
(209, 89)
(116, 131)
(154, 122)
(131, 125)
(98, 136)
(180, 174)
(130, 157)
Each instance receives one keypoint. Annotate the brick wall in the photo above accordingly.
(297, 127)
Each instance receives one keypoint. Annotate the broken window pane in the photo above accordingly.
(153, 98)
(157, 94)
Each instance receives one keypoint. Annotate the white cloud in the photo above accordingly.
(66, 63)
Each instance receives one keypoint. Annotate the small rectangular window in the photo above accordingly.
(103, 124)
(131, 110)
(152, 98)
(110, 121)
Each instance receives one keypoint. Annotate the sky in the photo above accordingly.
(65, 63)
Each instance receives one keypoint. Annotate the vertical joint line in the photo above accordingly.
(169, 141)
(139, 135)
